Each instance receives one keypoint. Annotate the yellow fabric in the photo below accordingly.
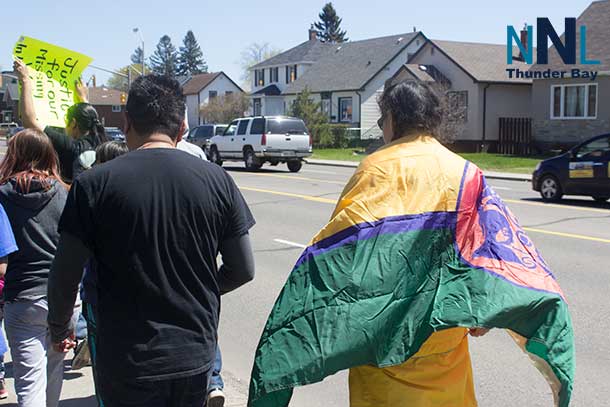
(439, 375)
(410, 167)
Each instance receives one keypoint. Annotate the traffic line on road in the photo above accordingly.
(534, 230)
(289, 243)
(550, 205)
(305, 197)
(570, 235)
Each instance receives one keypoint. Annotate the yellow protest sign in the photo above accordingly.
(53, 71)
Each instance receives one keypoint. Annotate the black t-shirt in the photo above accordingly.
(154, 220)
(75, 155)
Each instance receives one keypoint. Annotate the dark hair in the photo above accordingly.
(87, 121)
(30, 156)
(156, 104)
(414, 106)
(109, 151)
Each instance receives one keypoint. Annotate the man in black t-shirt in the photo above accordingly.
(154, 220)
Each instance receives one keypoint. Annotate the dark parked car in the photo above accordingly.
(114, 133)
(583, 170)
(201, 135)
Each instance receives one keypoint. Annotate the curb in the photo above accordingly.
(488, 175)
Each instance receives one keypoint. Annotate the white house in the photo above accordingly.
(346, 78)
(199, 89)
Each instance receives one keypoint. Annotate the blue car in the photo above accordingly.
(583, 170)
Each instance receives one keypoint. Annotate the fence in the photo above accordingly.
(515, 136)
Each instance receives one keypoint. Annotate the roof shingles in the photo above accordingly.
(350, 65)
(198, 82)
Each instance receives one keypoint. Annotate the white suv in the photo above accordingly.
(256, 140)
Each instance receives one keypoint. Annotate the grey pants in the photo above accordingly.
(37, 367)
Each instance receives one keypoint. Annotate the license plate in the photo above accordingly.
(288, 153)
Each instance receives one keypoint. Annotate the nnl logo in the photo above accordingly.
(566, 49)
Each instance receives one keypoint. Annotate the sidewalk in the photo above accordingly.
(77, 389)
(508, 176)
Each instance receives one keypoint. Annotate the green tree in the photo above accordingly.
(120, 81)
(329, 26)
(190, 60)
(136, 57)
(306, 109)
(165, 58)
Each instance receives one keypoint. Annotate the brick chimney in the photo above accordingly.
(313, 34)
(523, 42)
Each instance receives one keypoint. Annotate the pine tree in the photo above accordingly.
(190, 60)
(329, 26)
(165, 58)
(136, 57)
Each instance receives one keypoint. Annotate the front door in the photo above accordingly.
(589, 172)
(225, 143)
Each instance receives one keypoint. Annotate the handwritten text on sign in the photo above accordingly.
(53, 71)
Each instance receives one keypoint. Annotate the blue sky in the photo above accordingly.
(103, 29)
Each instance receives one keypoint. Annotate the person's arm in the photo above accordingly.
(82, 93)
(238, 263)
(26, 101)
(3, 266)
(64, 278)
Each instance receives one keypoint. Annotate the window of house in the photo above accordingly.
(116, 109)
(259, 77)
(574, 101)
(256, 106)
(229, 92)
(431, 50)
(212, 94)
(458, 105)
(345, 109)
(274, 75)
(291, 73)
(243, 126)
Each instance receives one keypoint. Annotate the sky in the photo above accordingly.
(103, 29)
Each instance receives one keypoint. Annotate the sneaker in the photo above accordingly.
(3, 391)
(82, 357)
(216, 398)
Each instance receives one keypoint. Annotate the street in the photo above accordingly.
(573, 236)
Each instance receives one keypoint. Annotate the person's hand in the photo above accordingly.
(478, 332)
(22, 71)
(81, 91)
(65, 345)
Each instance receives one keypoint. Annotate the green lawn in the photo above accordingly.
(503, 163)
(342, 154)
(490, 162)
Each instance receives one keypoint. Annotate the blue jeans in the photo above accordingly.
(216, 380)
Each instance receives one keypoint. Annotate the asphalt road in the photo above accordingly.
(574, 238)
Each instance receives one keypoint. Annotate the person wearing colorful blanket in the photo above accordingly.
(418, 252)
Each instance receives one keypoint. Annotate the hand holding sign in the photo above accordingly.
(54, 71)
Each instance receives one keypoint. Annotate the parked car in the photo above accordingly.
(114, 133)
(583, 170)
(201, 135)
(6, 127)
(13, 130)
(256, 140)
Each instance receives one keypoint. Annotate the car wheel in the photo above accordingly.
(294, 166)
(550, 188)
(601, 199)
(252, 163)
(215, 156)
